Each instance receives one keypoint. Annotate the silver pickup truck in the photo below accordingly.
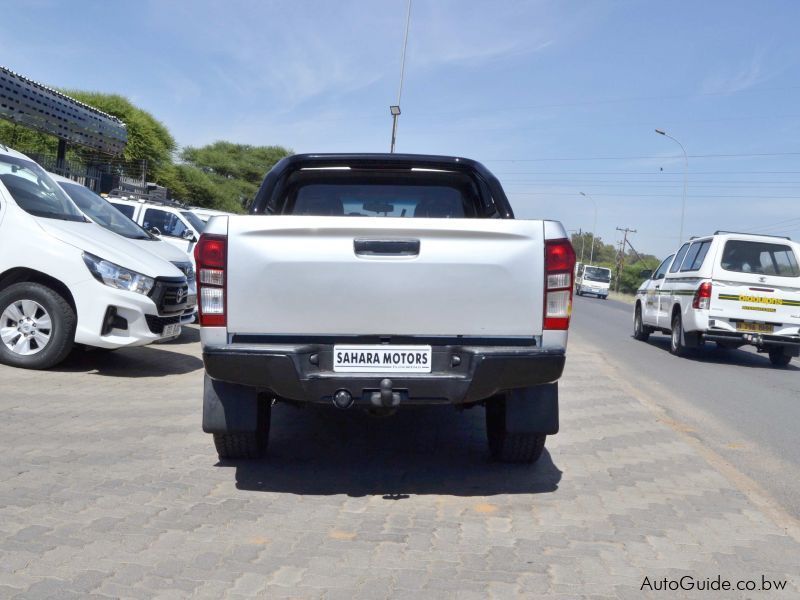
(379, 281)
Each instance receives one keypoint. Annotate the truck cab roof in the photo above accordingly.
(404, 169)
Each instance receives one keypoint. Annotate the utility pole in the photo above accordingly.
(623, 244)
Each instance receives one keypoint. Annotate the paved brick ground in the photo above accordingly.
(108, 488)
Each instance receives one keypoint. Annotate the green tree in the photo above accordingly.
(234, 170)
(630, 278)
(148, 138)
(25, 140)
(221, 175)
(603, 253)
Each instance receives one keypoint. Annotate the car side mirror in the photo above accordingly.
(189, 235)
(154, 230)
(646, 273)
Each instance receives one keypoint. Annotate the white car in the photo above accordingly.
(204, 214)
(65, 280)
(104, 214)
(178, 226)
(730, 288)
(592, 280)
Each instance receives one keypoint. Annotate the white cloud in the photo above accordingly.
(474, 37)
(730, 81)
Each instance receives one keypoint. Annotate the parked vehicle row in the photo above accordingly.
(730, 288)
(66, 280)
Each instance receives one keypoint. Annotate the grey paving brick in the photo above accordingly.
(109, 488)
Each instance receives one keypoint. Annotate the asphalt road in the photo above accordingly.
(734, 401)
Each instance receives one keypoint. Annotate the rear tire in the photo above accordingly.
(676, 344)
(510, 447)
(779, 357)
(640, 331)
(42, 315)
(248, 444)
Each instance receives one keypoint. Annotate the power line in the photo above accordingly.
(622, 183)
(743, 196)
(777, 225)
(589, 158)
(622, 100)
(655, 174)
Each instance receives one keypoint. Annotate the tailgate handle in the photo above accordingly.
(386, 247)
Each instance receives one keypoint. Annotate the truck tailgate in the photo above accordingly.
(290, 275)
(766, 299)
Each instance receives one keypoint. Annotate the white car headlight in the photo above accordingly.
(117, 277)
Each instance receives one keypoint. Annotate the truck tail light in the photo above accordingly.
(211, 255)
(702, 297)
(559, 266)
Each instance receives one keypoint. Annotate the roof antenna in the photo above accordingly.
(395, 108)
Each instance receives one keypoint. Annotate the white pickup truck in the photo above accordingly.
(65, 280)
(380, 281)
(734, 289)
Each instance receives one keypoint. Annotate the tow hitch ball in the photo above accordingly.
(385, 398)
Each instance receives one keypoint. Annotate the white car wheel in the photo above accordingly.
(25, 327)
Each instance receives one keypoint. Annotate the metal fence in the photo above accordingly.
(100, 177)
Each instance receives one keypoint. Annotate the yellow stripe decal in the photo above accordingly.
(759, 300)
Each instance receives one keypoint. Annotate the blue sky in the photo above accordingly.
(555, 97)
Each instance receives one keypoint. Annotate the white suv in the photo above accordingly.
(65, 280)
(178, 226)
(730, 288)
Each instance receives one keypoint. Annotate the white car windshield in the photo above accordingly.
(34, 191)
(103, 213)
(194, 220)
(597, 274)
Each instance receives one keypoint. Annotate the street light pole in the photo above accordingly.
(395, 109)
(594, 227)
(685, 176)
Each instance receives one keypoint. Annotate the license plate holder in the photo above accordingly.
(749, 327)
(171, 330)
(381, 358)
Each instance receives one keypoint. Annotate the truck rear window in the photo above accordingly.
(411, 194)
(761, 258)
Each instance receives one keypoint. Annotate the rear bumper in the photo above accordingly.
(304, 372)
(760, 340)
(589, 289)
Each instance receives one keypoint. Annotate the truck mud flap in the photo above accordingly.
(229, 408)
(533, 409)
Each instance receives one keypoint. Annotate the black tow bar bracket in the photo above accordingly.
(385, 398)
